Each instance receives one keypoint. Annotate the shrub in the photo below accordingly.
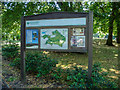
(39, 63)
(10, 51)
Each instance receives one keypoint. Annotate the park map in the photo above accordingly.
(58, 38)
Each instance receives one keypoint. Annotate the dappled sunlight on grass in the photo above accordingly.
(71, 66)
(115, 71)
(112, 70)
(45, 52)
(104, 70)
(103, 61)
(116, 55)
(64, 66)
(116, 45)
(69, 58)
(114, 77)
(83, 66)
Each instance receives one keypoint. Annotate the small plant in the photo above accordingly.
(77, 78)
(11, 79)
(57, 73)
(16, 62)
(10, 51)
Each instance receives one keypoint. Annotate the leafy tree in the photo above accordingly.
(111, 20)
(71, 6)
(104, 18)
(12, 12)
(118, 21)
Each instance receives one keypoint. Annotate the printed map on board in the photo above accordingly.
(54, 38)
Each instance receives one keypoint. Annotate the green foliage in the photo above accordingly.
(13, 11)
(10, 51)
(78, 78)
(16, 62)
(36, 63)
(39, 63)
(11, 79)
(99, 80)
(58, 74)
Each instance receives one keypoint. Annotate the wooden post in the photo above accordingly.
(0, 46)
(90, 48)
(23, 76)
(118, 64)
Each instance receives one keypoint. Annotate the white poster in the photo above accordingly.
(54, 38)
(78, 31)
(78, 41)
(29, 36)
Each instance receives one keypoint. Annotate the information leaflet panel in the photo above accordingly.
(32, 38)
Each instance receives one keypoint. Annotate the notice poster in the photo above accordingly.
(78, 41)
(54, 38)
(31, 38)
(78, 31)
(28, 36)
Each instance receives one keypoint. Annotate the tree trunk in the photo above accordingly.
(118, 31)
(111, 20)
(118, 23)
(109, 40)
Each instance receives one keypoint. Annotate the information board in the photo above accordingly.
(57, 33)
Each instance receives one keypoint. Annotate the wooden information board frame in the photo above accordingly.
(59, 15)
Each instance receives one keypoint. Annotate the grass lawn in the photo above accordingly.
(106, 55)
